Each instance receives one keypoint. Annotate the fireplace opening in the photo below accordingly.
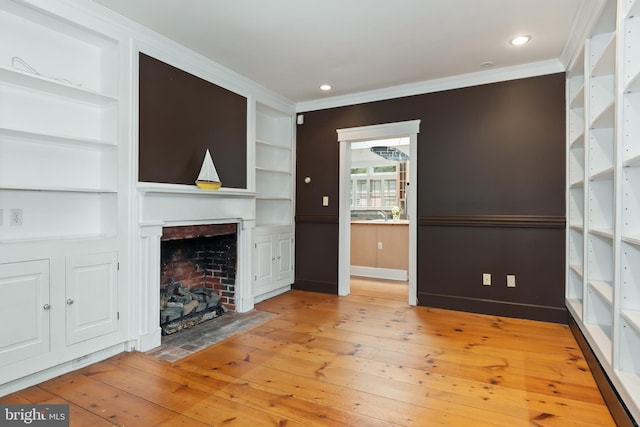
(198, 274)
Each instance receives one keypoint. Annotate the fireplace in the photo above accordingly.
(166, 206)
(198, 273)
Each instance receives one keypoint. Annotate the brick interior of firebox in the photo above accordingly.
(197, 257)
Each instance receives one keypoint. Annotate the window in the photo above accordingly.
(389, 197)
(373, 191)
(359, 171)
(360, 189)
(384, 169)
(375, 195)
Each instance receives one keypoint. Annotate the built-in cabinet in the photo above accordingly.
(27, 303)
(273, 236)
(603, 195)
(273, 259)
(59, 209)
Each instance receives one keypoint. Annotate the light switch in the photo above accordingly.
(325, 200)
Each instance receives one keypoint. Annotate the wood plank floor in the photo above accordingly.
(361, 360)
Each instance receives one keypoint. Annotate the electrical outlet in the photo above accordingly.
(486, 279)
(511, 280)
(15, 217)
(379, 245)
(325, 200)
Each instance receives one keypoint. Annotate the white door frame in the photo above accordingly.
(364, 133)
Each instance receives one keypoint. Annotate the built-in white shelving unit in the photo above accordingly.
(59, 188)
(603, 194)
(273, 236)
(58, 126)
(274, 167)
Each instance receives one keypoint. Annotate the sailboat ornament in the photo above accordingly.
(208, 178)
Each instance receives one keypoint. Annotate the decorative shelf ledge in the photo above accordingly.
(191, 190)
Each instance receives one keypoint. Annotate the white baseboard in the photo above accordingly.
(379, 273)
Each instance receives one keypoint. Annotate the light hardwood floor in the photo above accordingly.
(384, 289)
(361, 360)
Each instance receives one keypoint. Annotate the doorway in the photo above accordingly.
(346, 137)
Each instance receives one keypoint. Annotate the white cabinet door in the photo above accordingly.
(284, 256)
(24, 310)
(263, 260)
(91, 296)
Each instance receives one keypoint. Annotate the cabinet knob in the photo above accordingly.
(69, 301)
(46, 307)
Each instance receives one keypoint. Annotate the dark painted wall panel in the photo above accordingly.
(534, 255)
(318, 267)
(182, 115)
(492, 150)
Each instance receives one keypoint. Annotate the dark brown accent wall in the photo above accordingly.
(182, 115)
(491, 177)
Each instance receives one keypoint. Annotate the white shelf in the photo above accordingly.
(578, 100)
(575, 305)
(53, 87)
(578, 141)
(629, 350)
(602, 232)
(60, 189)
(601, 338)
(577, 184)
(634, 161)
(605, 117)
(577, 227)
(577, 269)
(599, 317)
(41, 138)
(604, 289)
(600, 205)
(274, 171)
(273, 145)
(633, 84)
(69, 238)
(604, 61)
(632, 240)
(603, 175)
(633, 317)
(631, 384)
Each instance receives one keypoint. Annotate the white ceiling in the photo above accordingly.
(294, 46)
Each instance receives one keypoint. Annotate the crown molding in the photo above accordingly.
(454, 82)
(580, 28)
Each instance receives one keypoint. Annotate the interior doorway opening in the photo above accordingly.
(346, 138)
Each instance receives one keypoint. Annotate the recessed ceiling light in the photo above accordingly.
(325, 87)
(520, 40)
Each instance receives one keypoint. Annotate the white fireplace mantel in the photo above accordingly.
(168, 205)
